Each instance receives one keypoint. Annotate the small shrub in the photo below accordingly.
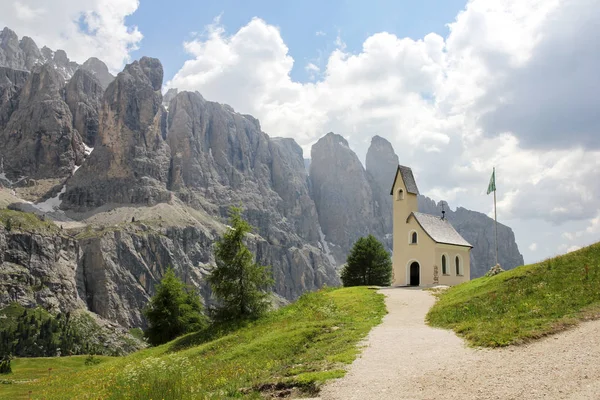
(5, 367)
(91, 360)
(137, 333)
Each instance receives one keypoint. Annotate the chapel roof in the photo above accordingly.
(440, 230)
(408, 178)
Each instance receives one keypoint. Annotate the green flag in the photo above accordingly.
(492, 185)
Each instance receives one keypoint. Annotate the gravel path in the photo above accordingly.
(406, 359)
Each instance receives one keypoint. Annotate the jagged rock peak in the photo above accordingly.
(380, 143)
(11, 54)
(43, 80)
(130, 164)
(99, 70)
(8, 36)
(381, 154)
(38, 140)
(47, 53)
(148, 67)
(335, 138)
(25, 54)
(170, 95)
(342, 194)
(31, 51)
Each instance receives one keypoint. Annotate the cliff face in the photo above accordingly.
(39, 140)
(381, 165)
(24, 54)
(342, 193)
(130, 162)
(220, 158)
(49, 107)
(38, 269)
(11, 83)
(83, 95)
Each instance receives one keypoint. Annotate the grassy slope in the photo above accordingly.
(299, 345)
(525, 303)
(14, 386)
(22, 221)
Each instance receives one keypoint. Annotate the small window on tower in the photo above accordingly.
(413, 238)
(458, 266)
(400, 195)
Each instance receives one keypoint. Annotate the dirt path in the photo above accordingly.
(406, 359)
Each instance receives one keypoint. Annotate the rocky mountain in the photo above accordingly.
(130, 162)
(156, 189)
(38, 139)
(381, 163)
(343, 195)
(99, 70)
(24, 54)
(49, 109)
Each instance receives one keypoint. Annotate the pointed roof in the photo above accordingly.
(408, 178)
(440, 230)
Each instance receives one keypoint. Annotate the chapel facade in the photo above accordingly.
(427, 250)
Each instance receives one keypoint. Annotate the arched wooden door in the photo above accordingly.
(415, 278)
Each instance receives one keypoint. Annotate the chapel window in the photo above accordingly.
(400, 194)
(458, 267)
(444, 265)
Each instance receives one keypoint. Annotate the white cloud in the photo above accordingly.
(320, 33)
(312, 67)
(442, 102)
(533, 246)
(312, 70)
(83, 28)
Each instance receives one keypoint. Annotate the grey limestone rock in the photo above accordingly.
(11, 83)
(130, 162)
(99, 70)
(83, 95)
(170, 95)
(38, 139)
(37, 269)
(381, 165)
(342, 194)
(11, 54)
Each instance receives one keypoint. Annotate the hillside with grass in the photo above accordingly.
(291, 350)
(525, 303)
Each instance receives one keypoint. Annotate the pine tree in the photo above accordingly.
(368, 264)
(173, 311)
(240, 285)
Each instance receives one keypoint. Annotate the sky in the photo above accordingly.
(457, 87)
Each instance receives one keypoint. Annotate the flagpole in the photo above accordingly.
(495, 216)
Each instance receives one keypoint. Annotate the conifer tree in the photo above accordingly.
(368, 264)
(240, 285)
(174, 310)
